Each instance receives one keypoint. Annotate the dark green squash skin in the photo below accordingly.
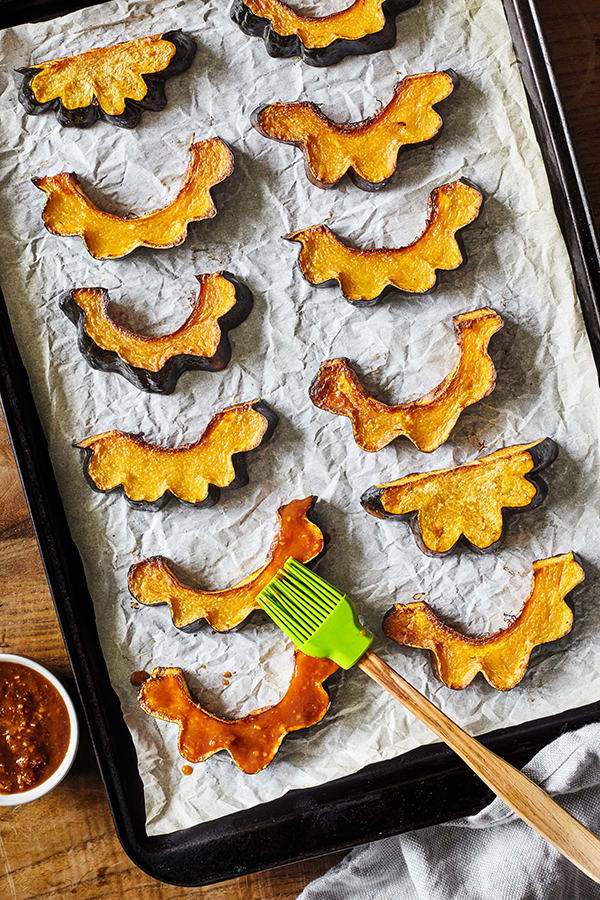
(86, 116)
(284, 46)
(238, 461)
(198, 624)
(165, 380)
(542, 455)
(358, 181)
(390, 289)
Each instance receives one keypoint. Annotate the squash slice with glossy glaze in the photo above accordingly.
(155, 363)
(364, 26)
(152, 580)
(365, 276)
(253, 740)
(426, 422)
(467, 502)
(68, 210)
(150, 475)
(115, 83)
(502, 657)
(367, 150)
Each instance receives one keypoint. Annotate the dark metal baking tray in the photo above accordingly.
(419, 788)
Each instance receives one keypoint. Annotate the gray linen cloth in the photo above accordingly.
(489, 856)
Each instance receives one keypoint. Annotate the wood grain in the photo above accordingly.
(64, 844)
(525, 798)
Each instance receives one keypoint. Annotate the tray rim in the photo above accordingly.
(428, 778)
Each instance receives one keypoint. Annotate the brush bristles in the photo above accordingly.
(299, 601)
(316, 588)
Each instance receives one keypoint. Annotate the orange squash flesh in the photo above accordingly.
(199, 335)
(369, 149)
(364, 275)
(364, 26)
(108, 75)
(152, 581)
(253, 740)
(465, 501)
(151, 475)
(361, 18)
(501, 657)
(115, 84)
(427, 422)
(68, 211)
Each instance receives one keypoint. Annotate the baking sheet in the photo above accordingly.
(518, 264)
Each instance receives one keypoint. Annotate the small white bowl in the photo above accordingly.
(57, 776)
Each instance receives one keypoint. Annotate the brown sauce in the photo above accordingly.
(139, 677)
(252, 740)
(34, 728)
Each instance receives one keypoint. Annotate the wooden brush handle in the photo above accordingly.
(525, 798)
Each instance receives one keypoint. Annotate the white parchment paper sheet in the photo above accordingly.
(517, 264)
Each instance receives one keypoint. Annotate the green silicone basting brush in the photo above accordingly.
(322, 621)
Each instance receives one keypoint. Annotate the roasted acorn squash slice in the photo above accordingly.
(365, 26)
(155, 363)
(365, 276)
(426, 422)
(253, 740)
(152, 580)
(367, 150)
(68, 211)
(150, 475)
(466, 501)
(501, 657)
(115, 83)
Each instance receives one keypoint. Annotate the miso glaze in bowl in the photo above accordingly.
(39, 733)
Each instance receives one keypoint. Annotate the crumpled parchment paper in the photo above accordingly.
(517, 264)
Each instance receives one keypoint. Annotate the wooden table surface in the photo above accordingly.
(64, 845)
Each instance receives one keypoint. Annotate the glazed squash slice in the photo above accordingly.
(501, 657)
(152, 580)
(365, 276)
(68, 210)
(368, 150)
(467, 502)
(155, 363)
(150, 475)
(115, 83)
(253, 740)
(427, 422)
(364, 26)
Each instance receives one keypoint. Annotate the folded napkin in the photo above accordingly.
(489, 856)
